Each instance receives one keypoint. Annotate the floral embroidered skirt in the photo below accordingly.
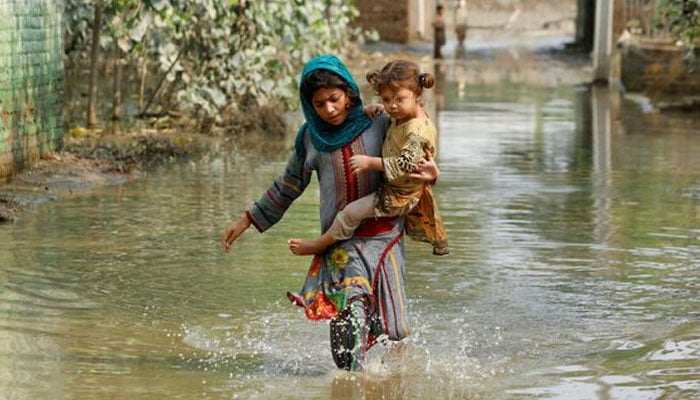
(369, 265)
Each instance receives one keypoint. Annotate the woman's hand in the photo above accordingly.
(426, 170)
(234, 231)
(374, 110)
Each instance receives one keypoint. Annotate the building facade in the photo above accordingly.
(31, 79)
(398, 21)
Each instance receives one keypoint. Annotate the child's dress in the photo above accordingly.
(404, 146)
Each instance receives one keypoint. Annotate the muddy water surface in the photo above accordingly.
(574, 221)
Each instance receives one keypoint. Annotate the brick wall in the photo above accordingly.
(390, 18)
(31, 77)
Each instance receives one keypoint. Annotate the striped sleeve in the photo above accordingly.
(272, 205)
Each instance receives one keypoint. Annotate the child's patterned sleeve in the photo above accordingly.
(407, 160)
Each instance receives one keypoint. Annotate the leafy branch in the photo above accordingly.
(211, 54)
(681, 19)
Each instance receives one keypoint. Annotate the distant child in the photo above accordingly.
(460, 22)
(410, 138)
(439, 35)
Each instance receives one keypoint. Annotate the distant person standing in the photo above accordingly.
(439, 31)
(460, 19)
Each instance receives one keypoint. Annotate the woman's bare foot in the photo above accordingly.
(305, 247)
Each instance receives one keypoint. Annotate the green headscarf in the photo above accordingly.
(324, 136)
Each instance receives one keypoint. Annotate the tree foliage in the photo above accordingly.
(213, 53)
(681, 18)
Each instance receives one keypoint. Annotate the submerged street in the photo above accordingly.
(574, 225)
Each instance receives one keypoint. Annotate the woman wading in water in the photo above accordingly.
(357, 283)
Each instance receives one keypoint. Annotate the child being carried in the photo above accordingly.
(411, 137)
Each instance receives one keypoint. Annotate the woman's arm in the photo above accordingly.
(272, 205)
(426, 170)
(234, 231)
(286, 188)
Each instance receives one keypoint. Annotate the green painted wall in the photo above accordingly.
(31, 79)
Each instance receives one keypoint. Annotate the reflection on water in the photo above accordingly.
(575, 270)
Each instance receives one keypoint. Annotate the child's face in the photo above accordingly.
(331, 105)
(401, 104)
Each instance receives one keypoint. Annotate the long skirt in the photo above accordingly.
(359, 285)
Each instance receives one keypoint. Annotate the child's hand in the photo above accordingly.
(374, 110)
(359, 163)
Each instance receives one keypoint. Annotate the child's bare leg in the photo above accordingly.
(304, 247)
(343, 227)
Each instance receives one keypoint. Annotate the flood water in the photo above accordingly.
(574, 220)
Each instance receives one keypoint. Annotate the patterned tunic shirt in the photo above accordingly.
(368, 265)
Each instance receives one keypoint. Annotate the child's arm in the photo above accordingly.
(413, 150)
(426, 169)
(359, 163)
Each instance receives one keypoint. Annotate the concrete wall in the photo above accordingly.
(398, 21)
(31, 78)
(388, 17)
(421, 14)
(406, 21)
(657, 69)
(649, 61)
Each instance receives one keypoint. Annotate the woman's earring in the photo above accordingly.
(347, 106)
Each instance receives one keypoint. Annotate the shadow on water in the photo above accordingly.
(573, 219)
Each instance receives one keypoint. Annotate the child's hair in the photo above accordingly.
(324, 79)
(401, 74)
